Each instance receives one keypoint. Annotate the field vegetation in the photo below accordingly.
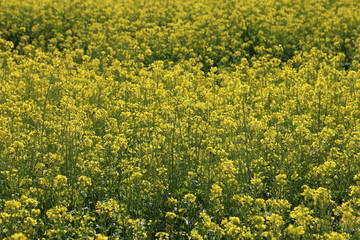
(182, 119)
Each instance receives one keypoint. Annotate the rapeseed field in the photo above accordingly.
(182, 119)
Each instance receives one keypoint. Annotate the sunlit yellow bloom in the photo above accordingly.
(170, 215)
(190, 198)
(18, 236)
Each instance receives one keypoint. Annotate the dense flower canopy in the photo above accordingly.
(183, 119)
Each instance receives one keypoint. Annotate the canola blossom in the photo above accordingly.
(183, 119)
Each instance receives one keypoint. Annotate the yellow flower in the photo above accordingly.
(256, 181)
(12, 205)
(60, 181)
(244, 200)
(87, 142)
(216, 190)
(18, 236)
(172, 200)
(35, 212)
(110, 207)
(25, 181)
(84, 181)
(295, 231)
(55, 233)
(336, 236)
(30, 202)
(148, 52)
(258, 222)
(190, 198)
(170, 215)
(30, 221)
(101, 237)
(162, 236)
(59, 214)
(235, 220)
(192, 174)
(136, 176)
(195, 235)
(275, 221)
(319, 196)
(281, 179)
